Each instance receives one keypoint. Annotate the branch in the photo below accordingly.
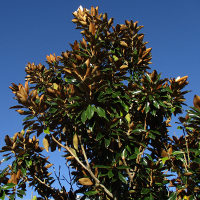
(84, 154)
(128, 172)
(97, 181)
(43, 183)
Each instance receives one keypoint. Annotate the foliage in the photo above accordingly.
(100, 104)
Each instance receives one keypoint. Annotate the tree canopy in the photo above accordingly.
(102, 107)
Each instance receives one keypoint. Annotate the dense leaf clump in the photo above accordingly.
(102, 106)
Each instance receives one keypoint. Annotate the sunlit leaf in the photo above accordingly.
(101, 112)
(85, 181)
(75, 141)
(46, 144)
(8, 186)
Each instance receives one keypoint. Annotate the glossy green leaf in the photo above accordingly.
(122, 178)
(110, 174)
(147, 107)
(132, 157)
(23, 170)
(177, 152)
(83, 117)
(155, 103)
(107, 142)
(8, 186)
(53, 110)
(152, 136)
(101, 112)
(90, 111)
(138, 130)
(90, 193)
(148, 77)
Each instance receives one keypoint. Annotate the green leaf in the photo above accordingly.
(90, 111)
(147, 107)
(137, 151)
(152, 136)
(53, 110)
(135, 52)
(99, 136)
(148, 77)
(177, 152)
(8, 186)
(3, 194)
(34, 198)
(173, 196)
(101, 112)
(102, 166)
(47, 130)
(162, 104)
(122, 178)
(139, 130)
(110, 174)
(14, 166)
(23, 170)
(156, 132)
(145, 191)
(28, 163)
(90, 193)
(126, 108)
(155, 103)
(83, 117)
(128, 148)
(123, 167)
(107, 142)
(132, 157)
(28, 117)
(20, 193)
(164, 159)
(128, 117)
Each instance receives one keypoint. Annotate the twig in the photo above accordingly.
(58, 176)
(70, 178)
(84, 154)
(43, 183)
(188, 153)
(97, 181)
(128, 172)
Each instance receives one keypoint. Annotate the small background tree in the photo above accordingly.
(102, 106)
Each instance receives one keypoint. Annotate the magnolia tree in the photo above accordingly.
(102, 106)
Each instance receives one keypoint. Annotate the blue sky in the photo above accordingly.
(30, 30)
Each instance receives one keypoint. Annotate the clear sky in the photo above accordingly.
(30, 30)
